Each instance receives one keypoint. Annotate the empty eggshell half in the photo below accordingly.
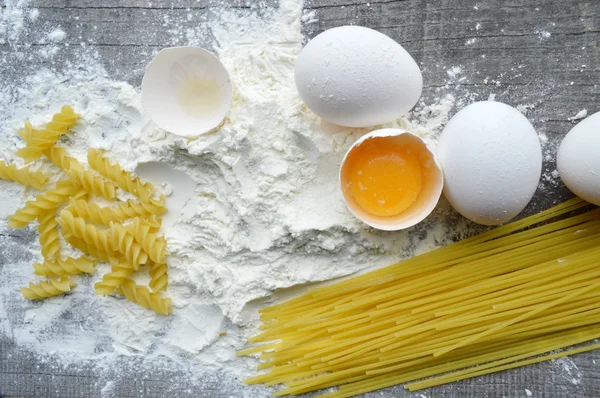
(186, 91)
(432, 180)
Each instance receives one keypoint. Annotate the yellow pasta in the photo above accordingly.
(39, 141)
(90, 182)
(43, 203)
(125, 243)
(93, 212)
(120, 271)
(142, 296)
(491, 302)
(24, 176)
(107, 214)
(133, 208)
(49, 234)
(59, 157)
(89, 249)
(124, 179)
(68, 266)
(95, 230)
(144, 232)
(53, 287)
(159, 278)
(89, 233)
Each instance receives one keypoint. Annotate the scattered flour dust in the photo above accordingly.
(266, 220)
(267, 217)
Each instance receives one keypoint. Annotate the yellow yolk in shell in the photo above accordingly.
(384, 179)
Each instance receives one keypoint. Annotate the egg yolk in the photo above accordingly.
(385, 180)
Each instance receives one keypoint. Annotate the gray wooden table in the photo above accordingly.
(541, 54)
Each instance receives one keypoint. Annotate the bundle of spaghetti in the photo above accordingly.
(24, 175)
(496, 300)
(38, 141)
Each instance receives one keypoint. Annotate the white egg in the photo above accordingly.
(578, 159)
(357, 77)
(492, 161)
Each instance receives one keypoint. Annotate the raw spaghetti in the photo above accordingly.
(502, 299)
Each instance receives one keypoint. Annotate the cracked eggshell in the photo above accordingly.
(492, 162)
(428, 196)
(578, 159)
(357, 77)
(165, 99)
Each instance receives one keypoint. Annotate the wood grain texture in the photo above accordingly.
(543, 55)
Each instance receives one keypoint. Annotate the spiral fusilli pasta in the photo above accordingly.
(126, 244)
(92, 212)
(49, 234)
(43, 203)
(53, 287)
(88, 249)
(142, 296)
(24, 176)
(68, 266)
(90, 182)
(89, 233)
(59, 157)
(120, 271)
(124, 179)
(144, 233)
(134, 208)
(159, 278)
(40, 140)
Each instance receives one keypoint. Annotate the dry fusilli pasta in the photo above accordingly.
(134, 208)
(49, 234)
(144, 233)
(35, 179)
(125, 243)
(93, 212)
(120, 271)
(68, 266)
(88, 249)
(53, 287)
(43, 203)
(89, 233)
(38, 141)
(124, 179)
(59, 157)
(90, 182)
(142, 296)
(159, 277)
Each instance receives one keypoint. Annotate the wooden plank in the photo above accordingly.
(523, 52)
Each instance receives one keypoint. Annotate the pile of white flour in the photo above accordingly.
(266, 215)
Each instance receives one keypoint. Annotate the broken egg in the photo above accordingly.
(186, 91)
(390, 179)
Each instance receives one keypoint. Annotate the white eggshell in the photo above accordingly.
(357, 77)
(165, 74)
(428, 197)
(578, 159)
(492, 161)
